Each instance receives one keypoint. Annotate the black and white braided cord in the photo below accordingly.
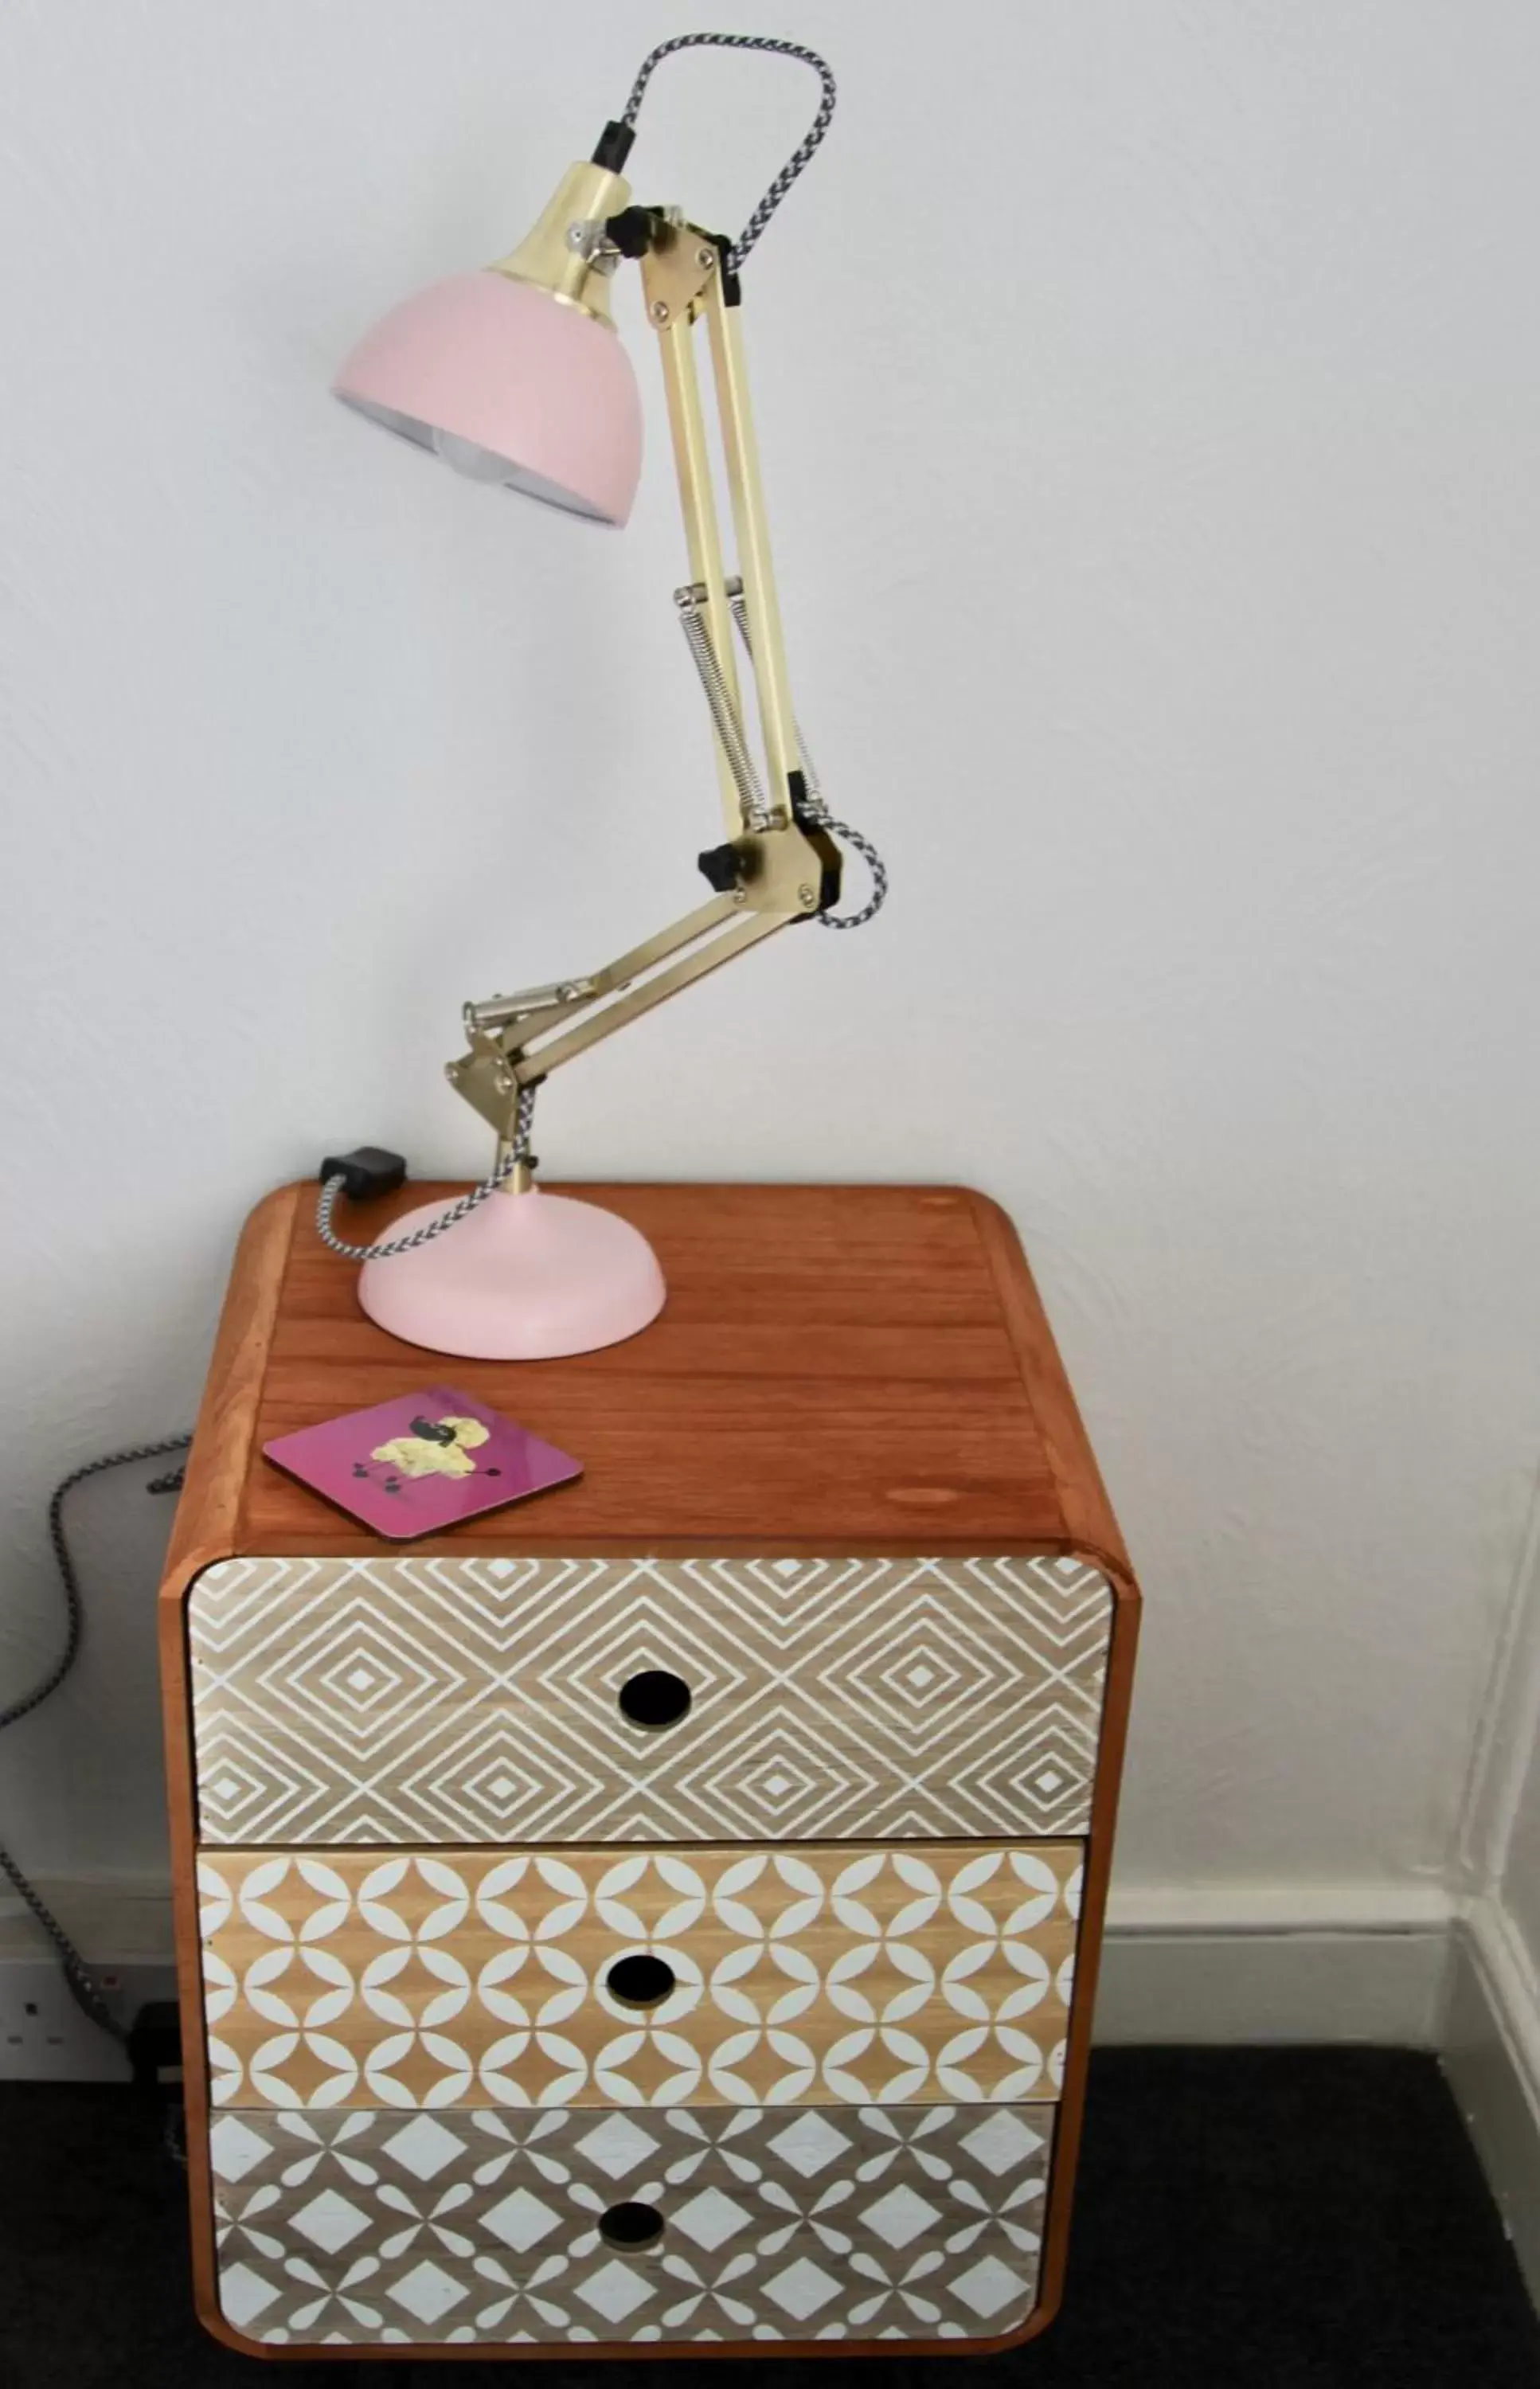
(77, 1973)
(518, 1150)
(818, 813)
(800, 157)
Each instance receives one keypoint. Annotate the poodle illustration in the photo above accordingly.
(435, 1448)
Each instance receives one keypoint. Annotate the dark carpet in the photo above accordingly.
(1254, 2218)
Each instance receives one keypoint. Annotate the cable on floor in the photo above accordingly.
(82, 1986)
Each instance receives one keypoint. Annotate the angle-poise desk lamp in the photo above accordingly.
(516, 377)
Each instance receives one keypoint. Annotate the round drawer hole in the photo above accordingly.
(641, 1980)
(630, 2225)
(655, 1697)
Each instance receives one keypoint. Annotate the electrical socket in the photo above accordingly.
(45, 2037)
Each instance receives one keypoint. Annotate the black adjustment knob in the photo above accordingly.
(633, 231)
(722, 865)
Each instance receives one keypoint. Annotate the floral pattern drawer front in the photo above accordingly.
(477, 1978)
(479, 2226)
(479, 1700)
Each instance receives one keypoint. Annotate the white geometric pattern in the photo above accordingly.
(825, 1974)
(475, 1700)
(889, 2225)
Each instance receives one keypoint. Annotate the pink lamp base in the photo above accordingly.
(525, 1277)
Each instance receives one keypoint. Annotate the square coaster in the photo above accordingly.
(423, 1463)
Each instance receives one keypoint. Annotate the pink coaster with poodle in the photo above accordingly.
(422, 1463)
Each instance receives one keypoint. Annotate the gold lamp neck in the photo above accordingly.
(566, 252)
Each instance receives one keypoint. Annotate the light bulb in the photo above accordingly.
(471, 461)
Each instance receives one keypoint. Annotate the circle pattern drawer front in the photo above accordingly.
(505, 1700)
(475, 2226)
(828, 1974)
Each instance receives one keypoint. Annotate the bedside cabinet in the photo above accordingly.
(662, 1915)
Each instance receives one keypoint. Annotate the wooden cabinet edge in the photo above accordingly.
(327, 1543)
(1071, 2114)
(181, 1819)
(204, 1531)
(1085, 1510)
(211, 1494)
(211, 2316)
(633, 2351)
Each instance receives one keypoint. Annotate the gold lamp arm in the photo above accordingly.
(776, 865)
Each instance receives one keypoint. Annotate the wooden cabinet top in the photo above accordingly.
(837, 1368)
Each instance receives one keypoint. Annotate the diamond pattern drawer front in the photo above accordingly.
(474, 1978)
(468, 1700)
(482, 2226)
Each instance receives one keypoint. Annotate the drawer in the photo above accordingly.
(485, 2226)
(830, 1974)
(472, 1700)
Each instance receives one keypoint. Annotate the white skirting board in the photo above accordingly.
(1491, 2057)
(1238, 1964)
(1380, 1988)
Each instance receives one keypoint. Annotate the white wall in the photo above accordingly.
(1148, 401)
(1522, 1878)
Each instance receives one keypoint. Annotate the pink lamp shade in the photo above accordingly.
(507, 384)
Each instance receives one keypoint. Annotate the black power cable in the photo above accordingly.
(82, 1983)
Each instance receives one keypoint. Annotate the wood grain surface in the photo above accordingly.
(830, 1975)
(840, 1366)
